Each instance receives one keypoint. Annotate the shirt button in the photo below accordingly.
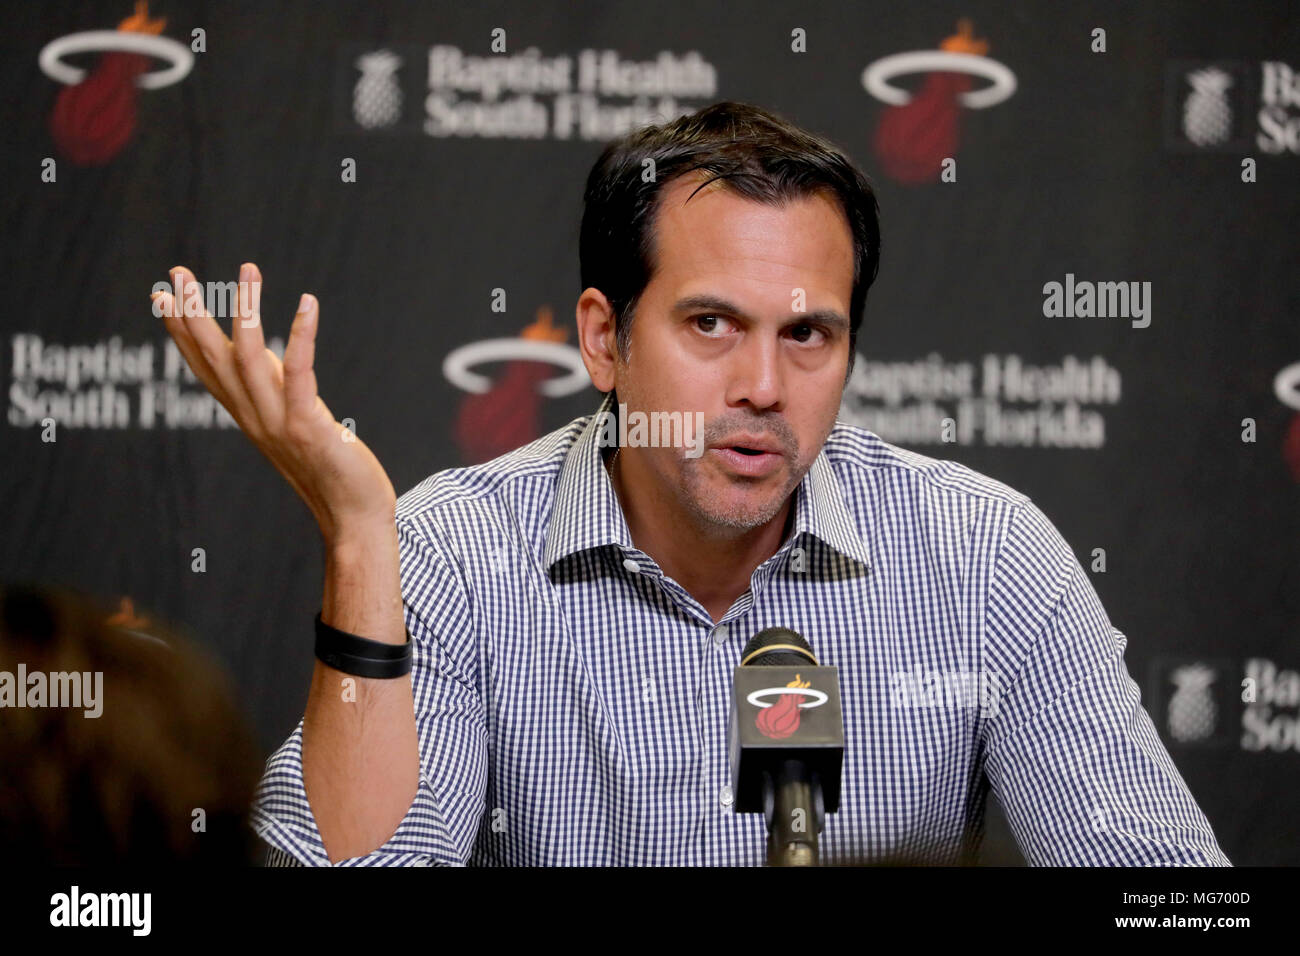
(631, 566)
(720, 636)
(724, 796)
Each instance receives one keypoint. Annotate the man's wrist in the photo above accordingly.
(362, 542)
(363, 588)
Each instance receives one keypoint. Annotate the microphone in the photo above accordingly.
(786, 743)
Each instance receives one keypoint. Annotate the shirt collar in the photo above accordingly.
(586, 513)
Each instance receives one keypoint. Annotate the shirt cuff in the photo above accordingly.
(282, 817)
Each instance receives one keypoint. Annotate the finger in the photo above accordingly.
(167, 305)
(250, 350)
(202, 327)
(299, 357)
(216, 349)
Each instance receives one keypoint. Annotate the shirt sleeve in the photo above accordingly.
(1072, 755)
(441, 824)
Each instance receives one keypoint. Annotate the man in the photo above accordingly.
(575, 612)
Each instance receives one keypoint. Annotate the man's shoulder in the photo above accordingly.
(469, 488)
(861, 458)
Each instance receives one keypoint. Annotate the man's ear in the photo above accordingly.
(597, 338)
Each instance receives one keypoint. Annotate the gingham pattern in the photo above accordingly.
(572, 701)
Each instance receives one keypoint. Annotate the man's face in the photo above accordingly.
(745, 319)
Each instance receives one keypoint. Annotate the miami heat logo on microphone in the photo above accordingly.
(781, 720)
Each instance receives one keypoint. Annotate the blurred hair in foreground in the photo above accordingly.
(125, 787)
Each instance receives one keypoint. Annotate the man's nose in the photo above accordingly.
(756, 376)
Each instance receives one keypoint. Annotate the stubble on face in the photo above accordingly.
(728, 504)
(723, 243)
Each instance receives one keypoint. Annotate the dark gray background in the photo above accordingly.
(240, 161)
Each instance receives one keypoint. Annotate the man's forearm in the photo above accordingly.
(360, 755)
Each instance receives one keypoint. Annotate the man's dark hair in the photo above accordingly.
(755, 152)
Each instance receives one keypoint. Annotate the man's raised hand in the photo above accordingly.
(276, 404)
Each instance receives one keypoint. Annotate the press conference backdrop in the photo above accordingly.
(1088, 290)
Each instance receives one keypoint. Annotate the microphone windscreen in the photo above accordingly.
(777, 647)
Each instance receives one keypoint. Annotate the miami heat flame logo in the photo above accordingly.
(781, 720)
(919, 130)
(94, 116)
(497, 417)
(1287, 387)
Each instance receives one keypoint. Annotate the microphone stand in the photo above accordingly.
(794, 809)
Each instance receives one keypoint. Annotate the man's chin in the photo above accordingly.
(738, 514)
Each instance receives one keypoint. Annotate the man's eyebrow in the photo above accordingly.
(716, 303)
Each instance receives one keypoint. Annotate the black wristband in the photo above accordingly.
(361, 656)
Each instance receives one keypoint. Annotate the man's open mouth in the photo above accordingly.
(748, 461)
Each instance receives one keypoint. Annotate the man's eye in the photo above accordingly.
(708, 323)
(803, 327)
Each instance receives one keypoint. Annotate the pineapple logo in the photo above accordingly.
(1207, 117)
(377, 97)
(1192, 711)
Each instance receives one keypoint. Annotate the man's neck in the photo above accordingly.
(712, 565)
